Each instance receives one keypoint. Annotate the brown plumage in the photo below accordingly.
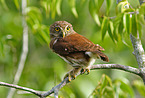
(74, 48)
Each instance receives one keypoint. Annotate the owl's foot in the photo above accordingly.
(72, 74)
(85, 70)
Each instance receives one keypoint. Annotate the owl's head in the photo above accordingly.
(60, 29)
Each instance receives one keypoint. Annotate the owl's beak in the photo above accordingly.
(63, 34)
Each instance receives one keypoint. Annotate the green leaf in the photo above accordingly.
(4, 4)
(104, 88)
(104, 27)
(34, 12)
(17, 4)
(46, 6)
(73, 8)
(127, 88)
(98, 4)
(140, 18)
(108, 6)
(115, 32)
(142, 9)
(120, 28)
(127, 22)
(53, 8)
(1, 49)
(58, 4)
(108, 80)
(45, 36)
(104, 82)
(134, 3)
(140, 87)
(118, 19)
(118, 8)
(122, 6)
(129, 10)
(96, 18)
(91, 7)
(139, 29)
(123, 89)
(134, 25)
(110, 30)
(93, 12)
(74, 11)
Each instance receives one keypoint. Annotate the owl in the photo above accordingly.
(74, 48)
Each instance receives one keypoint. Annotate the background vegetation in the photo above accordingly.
(91, 18)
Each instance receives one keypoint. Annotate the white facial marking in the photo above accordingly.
(55, 42)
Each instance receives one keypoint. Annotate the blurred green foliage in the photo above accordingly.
(95, 19)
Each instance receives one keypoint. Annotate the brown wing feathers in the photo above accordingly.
(75, 43)
(81, 43)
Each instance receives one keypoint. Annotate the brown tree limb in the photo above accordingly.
(56, 89)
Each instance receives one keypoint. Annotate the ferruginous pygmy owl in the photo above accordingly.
(74, 48)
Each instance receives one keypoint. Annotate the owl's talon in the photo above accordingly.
(69, 78)
(72, 74)
(88, 71)
(83, 71)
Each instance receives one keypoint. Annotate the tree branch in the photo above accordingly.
(24, 51)
(56, 89)
(20, 88)
(116, 66)
(138, 51)
(139, 54)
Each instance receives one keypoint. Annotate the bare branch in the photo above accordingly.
(20, 88)
(56, 89)
(24, 51)
(117, 66)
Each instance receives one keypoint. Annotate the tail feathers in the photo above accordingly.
(102, 56)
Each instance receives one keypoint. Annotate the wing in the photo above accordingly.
(81, 43)
(76, 43)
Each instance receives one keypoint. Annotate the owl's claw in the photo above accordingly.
(85, 70)
(72, 74)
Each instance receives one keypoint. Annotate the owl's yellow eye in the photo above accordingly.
(68, 28)
(57, 29)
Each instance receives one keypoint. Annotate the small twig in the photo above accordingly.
(56, 89)
(135, 12)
